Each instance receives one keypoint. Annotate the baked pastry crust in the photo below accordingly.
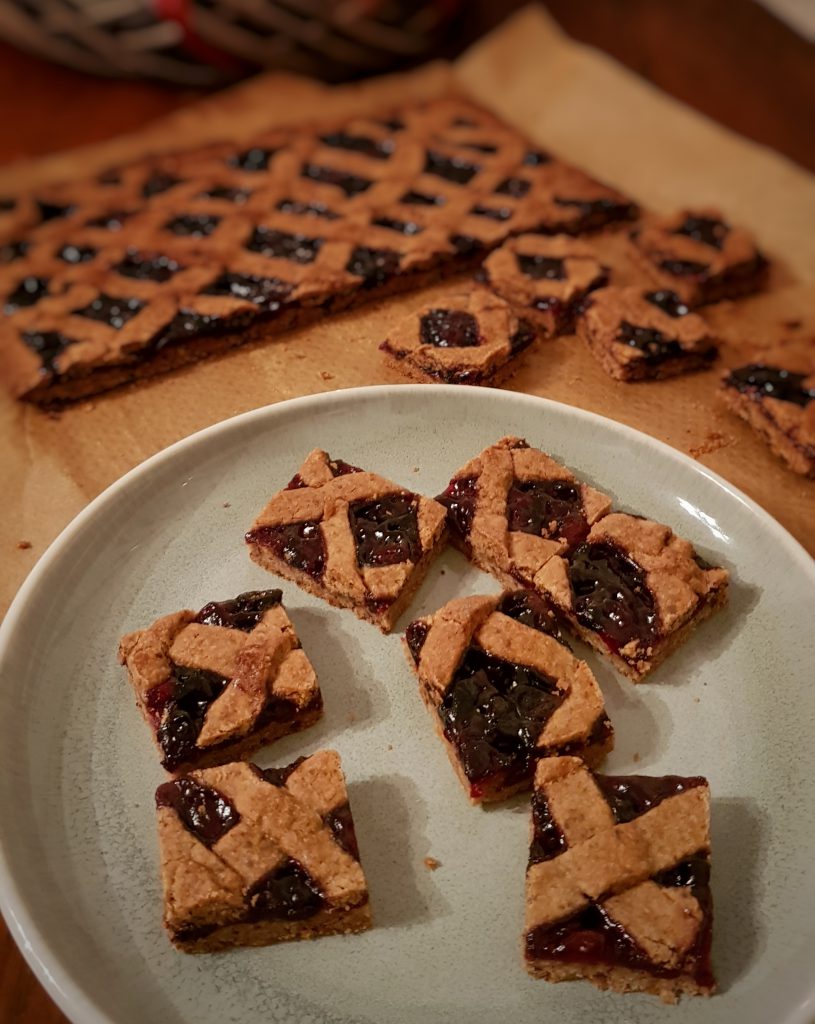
(504, 690)
(617, 886)
(545, 278)
(215, 685)
(513, 507)
(776, 396)
(265, 234)
(633, 590)
(353, 538)
(251, 857)
(698, 255)
(468, 337)
(637, 334)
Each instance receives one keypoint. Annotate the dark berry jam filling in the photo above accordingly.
(75, 254)
(11, 251)
(652, 343)
(522, 338)
(288, 893)
(536, 158)
(684, 268)
(393, 124)
(280, 776)
(669, 302)
(611, 597)
(452, 168)
(597, 212)
(629, 796)
(107, 309)
(261, 291)
(7, 203)
(493, 712)
(413, 198)
(187, 324)
(205, 812)
(386, 531)
(270, 242)
(29, 291)
(771, 382)
(501, 213)
(158, 183)
(542, 267)
(180, 704)
(415, 636)
(193, 225)
(147, 268)
(111, 221)
(515, 187)
(339, 467)
(48, 345)
(708, 230)
(531, 610)
(341, 823)
(243, 612)
(351, 184)
(547, 839)
(374, 266)
(465, 245)
(460, 500)
(53, 211)
(404, 227)
(231, 195)
(547, 508)
(300, 545)
(359, 144)
(308, 209)
(255, 159)
(449, 328)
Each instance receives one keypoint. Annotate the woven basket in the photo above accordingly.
(199, 42)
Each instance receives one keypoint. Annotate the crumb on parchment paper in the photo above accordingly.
(711, 443)
(23, 545)
(431, 863)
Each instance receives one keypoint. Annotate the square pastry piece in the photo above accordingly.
(216, 685)
(513, 507)
(617, 888)
(696, 254)
(462, 338)
(547, 278)
(644, 335)
(250, 857)
(634, 590)
(776, 396)
(504, 690)
(353, 538)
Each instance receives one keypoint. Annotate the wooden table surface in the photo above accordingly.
(729, 59)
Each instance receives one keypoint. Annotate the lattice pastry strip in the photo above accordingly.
(512, 508)
(251, 857)
(504, 690)
(216, 685)
(617, 884)
(353, 538)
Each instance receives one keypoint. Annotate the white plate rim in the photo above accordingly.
(70, 997)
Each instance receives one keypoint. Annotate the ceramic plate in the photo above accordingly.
(79, 879)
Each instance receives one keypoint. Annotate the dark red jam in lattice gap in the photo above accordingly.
(542, 268)
(460, 500)
(340, 468)
(300, 545)
(759, 381)
(493, 712)
(611, 597)
(668, 301)
(449, 328)
(629, 796)
(415, 636)
(243, 612)
(547, 839)
(341, 823)
(529, 608)
(374, 266)
(522, 338)
(652, 343)
(288, 893)
(386, 531)
(547, 508)
(180, 704)
(202, 810)
(708, 230)
(279, 776)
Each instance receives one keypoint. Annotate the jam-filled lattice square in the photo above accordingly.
(351, 537)
(617, 887)
(215, 685)
(504, 690)
(251, 856)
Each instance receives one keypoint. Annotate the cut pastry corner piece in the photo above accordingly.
(545, 278)
(463, 337)
(776, 396)
(618, 881)
(645, 334)
(350, 537)
(251, 857)
(504, 690)
(633, 590)
(513, 507)
(699, 255)
(215, 685)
